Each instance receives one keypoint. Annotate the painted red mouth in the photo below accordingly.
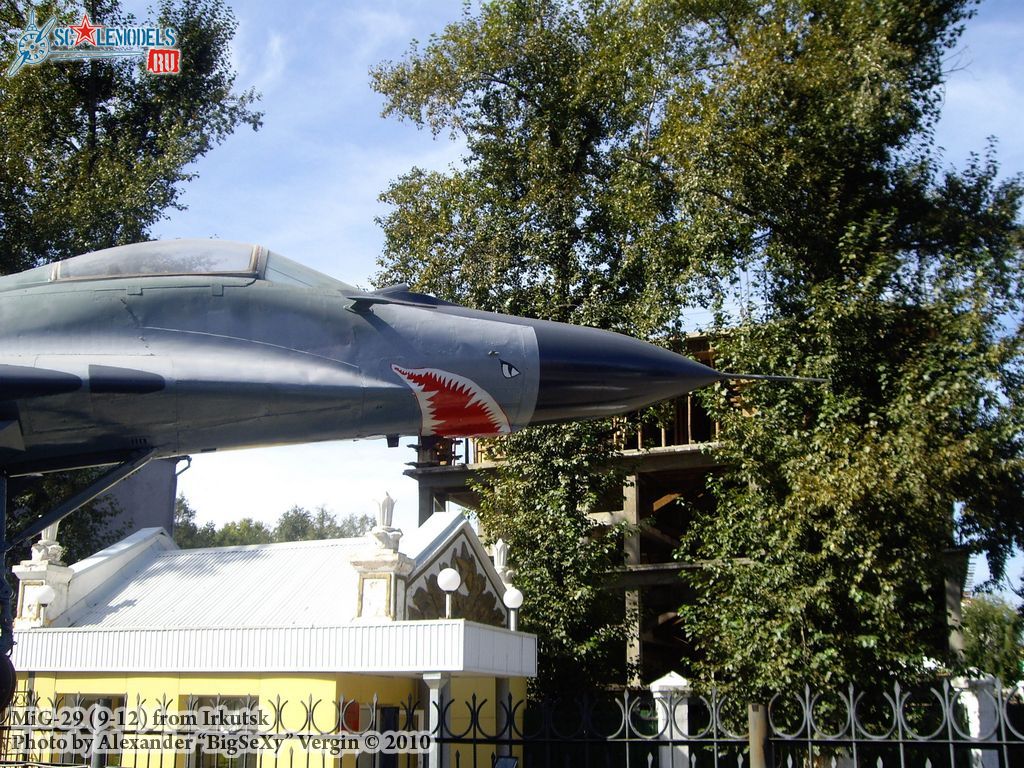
(452, 405)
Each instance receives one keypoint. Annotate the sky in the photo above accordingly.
(307, 183)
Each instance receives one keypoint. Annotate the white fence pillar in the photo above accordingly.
(670, 694)
(978, 697)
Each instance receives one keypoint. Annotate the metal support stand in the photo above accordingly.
(99, 486)
(6, 592)
(8, 678)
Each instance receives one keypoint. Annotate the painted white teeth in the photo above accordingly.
(476, 398)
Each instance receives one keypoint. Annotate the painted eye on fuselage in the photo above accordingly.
(508, 370)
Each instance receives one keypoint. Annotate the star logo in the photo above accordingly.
(85, 32)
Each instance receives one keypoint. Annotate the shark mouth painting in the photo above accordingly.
(452, 405)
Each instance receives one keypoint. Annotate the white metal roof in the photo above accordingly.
(305, 583)
(279, 585)
(143, 605)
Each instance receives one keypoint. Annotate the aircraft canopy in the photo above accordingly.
(163, 257)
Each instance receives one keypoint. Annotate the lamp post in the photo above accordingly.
(513, 600)
(449, 581)
(44, 597)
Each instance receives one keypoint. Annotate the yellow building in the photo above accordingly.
(319, 637)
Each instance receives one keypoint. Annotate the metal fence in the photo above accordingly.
(977, 724)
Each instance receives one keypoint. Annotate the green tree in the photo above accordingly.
(94, 153)
(244, 531)
(299, 524)
(350, 526)
(295, 524)
(898, 282)
(187, 533)
(775, 162)
(994, 638)
(557, 211)
(537, 500)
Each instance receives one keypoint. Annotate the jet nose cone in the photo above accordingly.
(590, 373)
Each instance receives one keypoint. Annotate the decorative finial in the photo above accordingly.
(47, 550)
(500, 553)
(385, 511)
(386, 536)
(501, 561)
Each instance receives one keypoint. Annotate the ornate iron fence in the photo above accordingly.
(976, 724)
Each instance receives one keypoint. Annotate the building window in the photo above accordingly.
(224, 707)
(111, 703)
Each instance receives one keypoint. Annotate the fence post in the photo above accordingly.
(757, 730)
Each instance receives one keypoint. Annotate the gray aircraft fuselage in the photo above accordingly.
(184, 347)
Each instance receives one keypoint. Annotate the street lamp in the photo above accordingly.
(513, 600)
(449, 581)
(44, 596)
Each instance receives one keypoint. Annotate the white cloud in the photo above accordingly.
(274, 61)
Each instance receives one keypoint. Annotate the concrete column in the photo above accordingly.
(426, 502)
(437, 684)
(631, 546)
(33, 576)
(955, 562)
(382, 576)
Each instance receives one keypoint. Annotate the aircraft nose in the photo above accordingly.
(590, 373)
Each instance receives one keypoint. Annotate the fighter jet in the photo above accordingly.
(183, 347)
(178, 347)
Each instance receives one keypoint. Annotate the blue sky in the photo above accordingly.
(306, 185)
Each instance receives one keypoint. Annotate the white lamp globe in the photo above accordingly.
(449, 580)
(45, 595)
(513, 598)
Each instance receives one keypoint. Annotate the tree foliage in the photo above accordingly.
(537, 501)
(295, 524)
(994, 638)
(82, 533)
(245, 531)
(557, 211)
(187, 533)
(774, 162)
(299, 524)
(95, 153)
(899, 283)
